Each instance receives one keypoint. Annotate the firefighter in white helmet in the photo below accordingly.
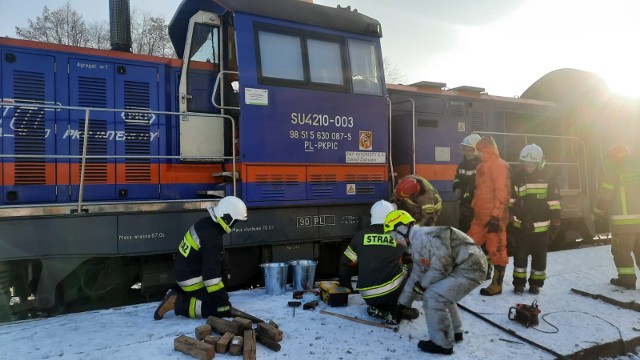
(535, 210)
(378, 261)
(464, 183)
(199, 266)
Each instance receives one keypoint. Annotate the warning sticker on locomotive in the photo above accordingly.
(256, 96)
(365, 157)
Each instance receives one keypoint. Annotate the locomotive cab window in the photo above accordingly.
(365, 67)
(203, 67)
(300, 59)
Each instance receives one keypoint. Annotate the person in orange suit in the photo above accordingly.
(491, 210)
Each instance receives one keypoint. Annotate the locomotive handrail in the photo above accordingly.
(84, 156)
(215, 91)
(413, 132)
(389, 149)
(578, 142)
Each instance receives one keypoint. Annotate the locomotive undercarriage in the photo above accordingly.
(97, 259)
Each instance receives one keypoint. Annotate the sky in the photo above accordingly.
(503, 46)
(568, 323)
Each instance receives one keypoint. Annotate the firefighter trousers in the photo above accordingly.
(622, 245)
(534, 244)
(494, 243)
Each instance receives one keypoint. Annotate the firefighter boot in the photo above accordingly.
(496, 283)
(431, 347)
(167, 304)
(627, 282)
(489, 269)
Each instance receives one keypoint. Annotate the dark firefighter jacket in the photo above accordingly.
(199, 261)
(535, 199)
(465, 180)
(619, 196)
(379, 261)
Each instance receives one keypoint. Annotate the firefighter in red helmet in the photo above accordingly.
(617, 198)
(419, 198)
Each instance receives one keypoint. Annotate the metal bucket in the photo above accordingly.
(275, 277)
(304, 274)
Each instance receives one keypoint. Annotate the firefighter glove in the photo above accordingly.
(418, 288)
(493, 225)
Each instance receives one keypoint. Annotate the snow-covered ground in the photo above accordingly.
(568, 323)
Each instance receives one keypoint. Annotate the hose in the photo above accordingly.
(513, 333)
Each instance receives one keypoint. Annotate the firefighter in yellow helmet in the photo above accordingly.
(447, 265)
(418, 197)
(199, 265)
(617, 198)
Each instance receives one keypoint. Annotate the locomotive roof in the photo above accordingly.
(342, 19)
(567, 86)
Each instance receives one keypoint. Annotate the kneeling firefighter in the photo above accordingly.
(199, 266)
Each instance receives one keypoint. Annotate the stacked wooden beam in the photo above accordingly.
(237, 337)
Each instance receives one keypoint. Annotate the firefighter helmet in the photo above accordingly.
(618, 152)
(471, 140)
(532, 153)
(228, 210)
(379, 211)
(397, 218)
(407, 187)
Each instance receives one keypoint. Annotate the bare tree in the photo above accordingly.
(61, 26)
(66, 26)
(150, 35)
(392, 73)
(98, 35)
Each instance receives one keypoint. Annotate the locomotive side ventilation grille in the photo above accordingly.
(322, 185)
(92, 92)
(478, 121)
(274, 186)
(362, 189)
(29, 128)
(96, 170)
(137, 129)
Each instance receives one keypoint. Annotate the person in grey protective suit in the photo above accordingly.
(447, 265)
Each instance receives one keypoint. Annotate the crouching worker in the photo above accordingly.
(381, 274)
(447, 265)
(199, 267)
(415, 195)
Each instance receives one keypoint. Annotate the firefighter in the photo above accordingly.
(378, 260)
(490, 210)
(419, 198)
(535, 210)
(199, 266)
(447, 265)
(617, 198)
(464, 183)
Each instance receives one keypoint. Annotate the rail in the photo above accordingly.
(579, 163)
(4, 105)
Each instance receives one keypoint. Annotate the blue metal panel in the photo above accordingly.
(301, 125)
(137, 88)
(91, 84)
(28, 78)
